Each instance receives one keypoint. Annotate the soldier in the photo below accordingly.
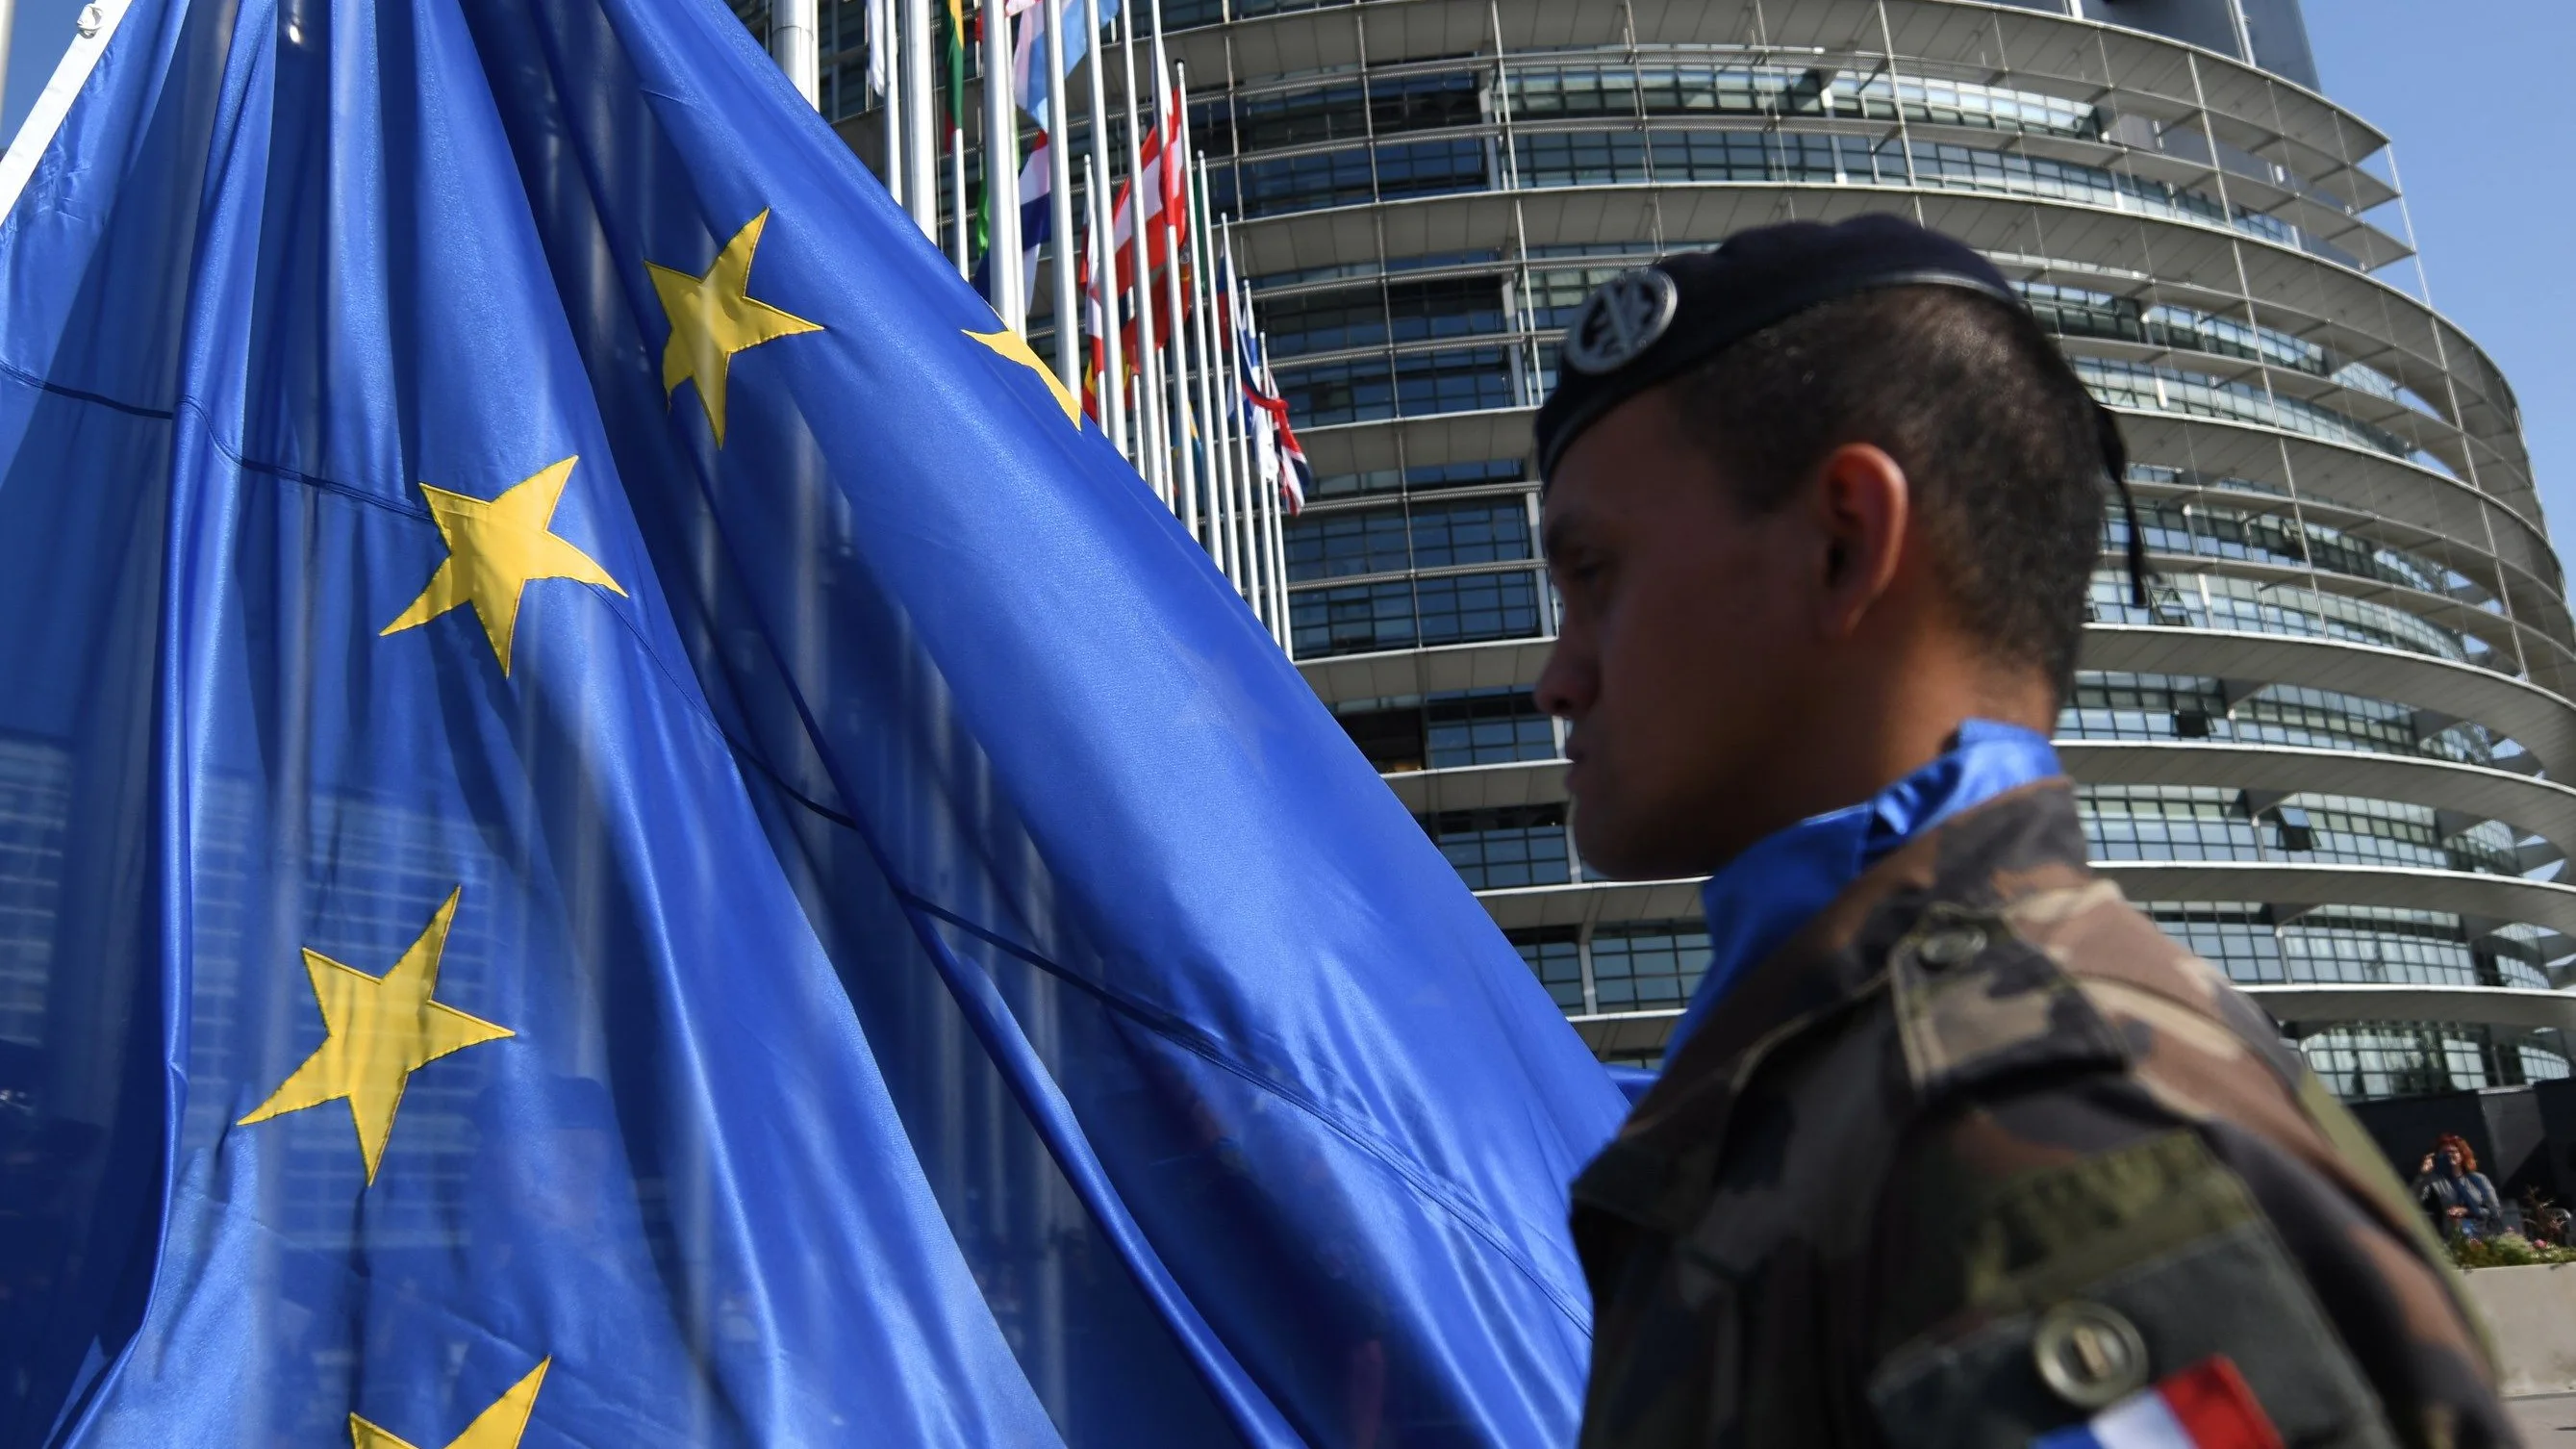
(1951, 1147)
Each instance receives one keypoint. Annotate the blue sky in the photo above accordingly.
(2466, 90)
(2479, 138)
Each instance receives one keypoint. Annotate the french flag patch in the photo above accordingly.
(2206, 1406)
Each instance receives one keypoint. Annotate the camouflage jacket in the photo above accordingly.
(1979, 1152)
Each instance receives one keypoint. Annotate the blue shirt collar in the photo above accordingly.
(1761, 898)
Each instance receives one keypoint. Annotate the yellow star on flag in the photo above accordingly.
(497, 1427)
(494, 551)
(1013, 347)
(715, 316)
(378, 1031)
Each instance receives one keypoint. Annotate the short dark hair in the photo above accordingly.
(2002, 444)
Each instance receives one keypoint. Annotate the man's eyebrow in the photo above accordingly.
(1560, 532)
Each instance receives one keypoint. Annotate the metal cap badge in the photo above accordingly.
(2089, 1354)
(1623, 317)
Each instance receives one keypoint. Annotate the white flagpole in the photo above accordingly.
(1092, 260)
(1002, 172)
(1136, 409)
(1212, 424)
(1113, 393)
(1172, 117)
(1136, 405)
(1273, 523)
(793, 42)
(885, 76)
(1230, 389)
(1238, 455)
(1068, 316)
(1153, 451)
(1221, 514)
(964, 204)
(920, 118)
(1220, 416)
(1269, 499)
(1228, 365)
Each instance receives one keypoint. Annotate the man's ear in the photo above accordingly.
(1862, 505)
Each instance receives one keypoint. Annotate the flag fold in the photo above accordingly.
(621, 827)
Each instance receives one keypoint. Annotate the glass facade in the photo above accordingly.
(35, 806)
(1517, 845)
(2159, 707)
(2404, 1059)
(1406, 612)
(1649, 966)
(2316, 457)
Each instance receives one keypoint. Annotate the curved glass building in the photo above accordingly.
(2326, 755)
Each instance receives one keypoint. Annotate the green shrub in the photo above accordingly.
(2505, 1250)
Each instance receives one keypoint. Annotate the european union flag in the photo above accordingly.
(616, 827)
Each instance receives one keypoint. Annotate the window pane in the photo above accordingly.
(1520, 845)
(1648, 967)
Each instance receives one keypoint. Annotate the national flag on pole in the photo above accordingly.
(1258, 421)
(1036, 221)
(881, 55)
(1282, 461)
(1028, 20)
(1164, 190)
(1174, 172)
(1164, 193)
(1030, 83)
(627, 831)
(2206, 1406)
(1095, 329)
(952, 30)
(1295, 477)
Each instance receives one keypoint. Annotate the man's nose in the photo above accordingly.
(1565, 687)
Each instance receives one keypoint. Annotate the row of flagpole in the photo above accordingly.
(1153, 326)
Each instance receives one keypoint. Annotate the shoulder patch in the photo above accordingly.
(1974, 1000)
(2153, 1236)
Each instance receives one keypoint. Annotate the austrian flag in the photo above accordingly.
(2206, 1406)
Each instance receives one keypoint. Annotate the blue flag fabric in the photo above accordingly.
(615, 826)
(1078, 38)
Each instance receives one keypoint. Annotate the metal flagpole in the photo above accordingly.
(957, 185)
(1194, 310)
(1229, 366)
(1113, 394)
(1221, 405)
(1269, 500)
(1238, 429)
(1230, 395)
(1068, 317)
(1153, 454)
(920, 118)
(792, 41)
(1203, 393)
(1274, 525)
(1172, 116)
(1221, 515)
(1106, 388)
(1135, 389)
(885, 73)
(1002, 172)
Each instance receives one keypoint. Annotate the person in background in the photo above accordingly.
(2458, 1197)
(1951, 1146)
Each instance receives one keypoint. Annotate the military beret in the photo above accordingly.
(1646, 326)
